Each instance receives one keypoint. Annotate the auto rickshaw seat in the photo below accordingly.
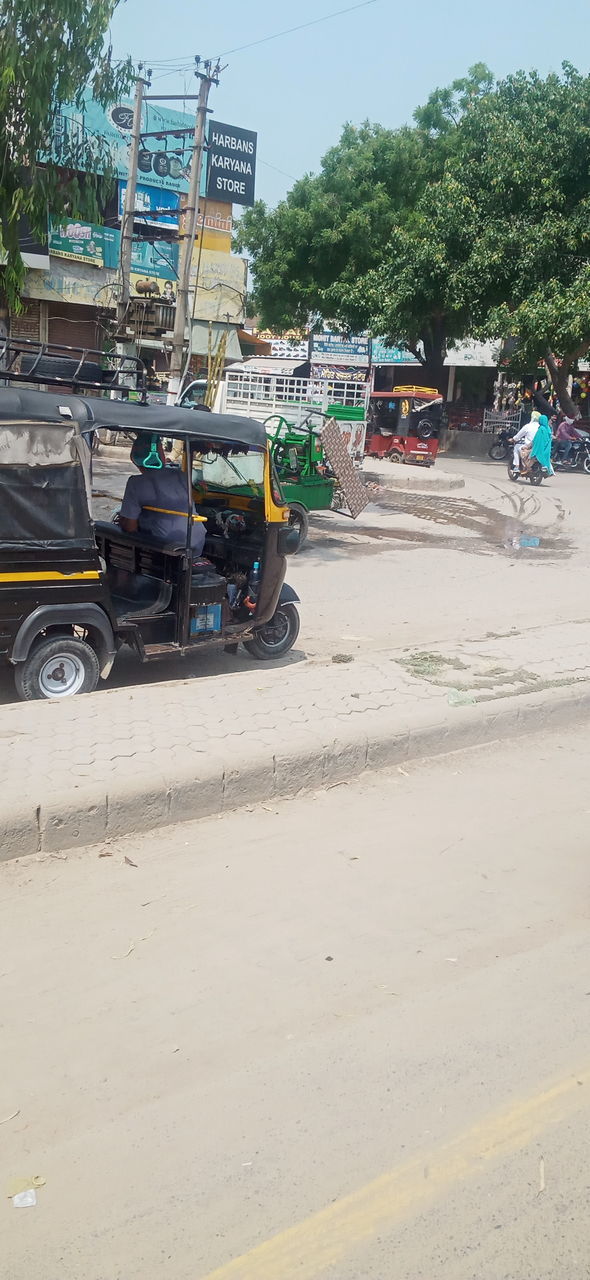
(137, 591)
(114, 533)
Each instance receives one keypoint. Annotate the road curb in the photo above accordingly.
(226, 780)
(415, 478)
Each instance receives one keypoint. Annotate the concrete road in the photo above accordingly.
(414, 570)
(348, 1037)
(421, 567)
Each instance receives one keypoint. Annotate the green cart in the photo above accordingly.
(306, 478)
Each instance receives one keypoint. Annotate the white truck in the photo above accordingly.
(273, 395)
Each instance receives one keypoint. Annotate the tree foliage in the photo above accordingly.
(49, 54)
(480, 227)
(332, 227)
(312, 254)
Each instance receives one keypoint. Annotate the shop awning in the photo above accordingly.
(270, 366)
(251, 345)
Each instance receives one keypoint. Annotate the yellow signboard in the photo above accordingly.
(214, 227)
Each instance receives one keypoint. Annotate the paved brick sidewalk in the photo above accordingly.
(132, 759)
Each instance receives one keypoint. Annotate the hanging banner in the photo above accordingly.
(79, 241)
(231, 172)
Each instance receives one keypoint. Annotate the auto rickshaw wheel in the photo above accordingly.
(299, 519)
(57, 667)
(277, 636)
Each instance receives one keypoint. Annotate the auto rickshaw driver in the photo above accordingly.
(156, 501)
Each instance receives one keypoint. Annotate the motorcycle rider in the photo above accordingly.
(566, 437)
(523, 442)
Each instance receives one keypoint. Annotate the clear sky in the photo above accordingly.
(378, 62)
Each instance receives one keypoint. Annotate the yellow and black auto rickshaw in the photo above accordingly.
(74, 590)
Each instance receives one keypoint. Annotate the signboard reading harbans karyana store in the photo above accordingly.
(231, 170)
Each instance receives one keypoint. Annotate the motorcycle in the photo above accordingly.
(579, 456)
(533, 473)
(501, 446)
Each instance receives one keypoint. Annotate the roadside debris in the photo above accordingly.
(460, 698)
(25, 1199)
(12, 1117)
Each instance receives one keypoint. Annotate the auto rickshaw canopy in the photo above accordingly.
(94, 412)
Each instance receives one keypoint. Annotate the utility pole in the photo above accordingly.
(208, 77)
(129, 207)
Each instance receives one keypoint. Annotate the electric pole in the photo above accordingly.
(207, 77)
(129, 207)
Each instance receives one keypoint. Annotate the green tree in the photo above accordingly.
(474, 222)
(525, 165)
(421, 295)
(333, 228)
(49, 54)
(500, 246)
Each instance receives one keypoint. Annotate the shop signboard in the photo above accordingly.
(287, 348)
(382, 354)
(231, 171)
(154, 265)
(339, 373)
(151, 204)
(34, 252)
(478, 355)
(94, 138)
(214, 225)
(336, 349)
(78, 241)
(74, 282)
(154, 271)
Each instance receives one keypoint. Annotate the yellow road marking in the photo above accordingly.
(305, 1251)
(43, 576)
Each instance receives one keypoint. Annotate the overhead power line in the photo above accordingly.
(301, 27)
(158, 63)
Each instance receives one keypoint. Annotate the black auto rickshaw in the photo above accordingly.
(74, 590)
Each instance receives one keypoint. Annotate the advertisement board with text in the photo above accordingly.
(231, 169)
(94, 138)
(154, 206)
(339, 349)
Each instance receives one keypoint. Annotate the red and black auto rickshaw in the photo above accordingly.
(405, 425)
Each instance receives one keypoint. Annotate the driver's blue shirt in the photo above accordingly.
(164, 489)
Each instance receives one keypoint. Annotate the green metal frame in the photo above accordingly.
(301, 478)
